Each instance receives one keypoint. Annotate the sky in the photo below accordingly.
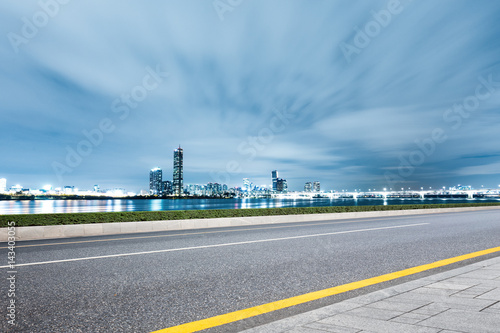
(354, 94)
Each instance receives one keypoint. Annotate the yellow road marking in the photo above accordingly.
(227, 318)
(212, 232)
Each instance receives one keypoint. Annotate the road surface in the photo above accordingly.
(146, 282)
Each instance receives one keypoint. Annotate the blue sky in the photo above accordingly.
(355, 94)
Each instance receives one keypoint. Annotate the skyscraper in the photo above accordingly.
(247, 185)
(166, 187)
(308, 187)
(316, 186)
(274, 175)
(178, 171)
(281, 185)
(155, 179)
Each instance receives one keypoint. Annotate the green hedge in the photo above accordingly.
(81, 218)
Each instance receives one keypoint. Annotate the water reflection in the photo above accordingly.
(155, 205)
(47, 206)
(109, 205)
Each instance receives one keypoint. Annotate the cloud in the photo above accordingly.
(352, 120)
(487, 169)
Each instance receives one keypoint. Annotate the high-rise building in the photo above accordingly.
(155, 181)
(178, 171)
(166, 187)
(3, 185)
(281, 185)
(274, 175)
(308, 187)
(316, 187)
(247, 185)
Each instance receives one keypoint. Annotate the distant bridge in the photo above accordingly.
(422, 194)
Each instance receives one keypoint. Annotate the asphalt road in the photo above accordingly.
(119, 285)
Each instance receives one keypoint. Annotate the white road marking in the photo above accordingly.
(214, 245)
(238, 229)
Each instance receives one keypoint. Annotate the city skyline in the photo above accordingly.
(382, 94)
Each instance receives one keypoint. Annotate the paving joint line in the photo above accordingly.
(489, 306)
(460, 291)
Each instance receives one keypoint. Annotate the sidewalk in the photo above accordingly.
(465, 299)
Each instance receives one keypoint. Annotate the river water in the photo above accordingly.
(8, 207)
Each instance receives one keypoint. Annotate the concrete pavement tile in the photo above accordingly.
(408, 286)
(375, 296)
(305, 318)
(465, 321)
(410, 318)
(473, 292)
(483, 274)
(389, 304)
(337, 308)
(451, 302)
(447, 285)
(375, 325)
(492, 310)
(495, 266)
(302, 330)
(331, 328)
(374, 313)
(487, 263)
(274, 327)
(450, 274)
(491, 295)
(434, 291)
(479, 282)
(495, 308)
(431, 309)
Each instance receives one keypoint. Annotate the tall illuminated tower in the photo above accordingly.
(155, 179)
(274, 175)
(178, 173)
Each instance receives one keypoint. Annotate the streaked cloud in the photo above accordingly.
(349, 122)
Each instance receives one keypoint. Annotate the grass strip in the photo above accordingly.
(110, 217)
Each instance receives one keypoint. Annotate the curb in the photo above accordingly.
(100, 229)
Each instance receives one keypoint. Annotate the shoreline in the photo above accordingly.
(45, 219)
